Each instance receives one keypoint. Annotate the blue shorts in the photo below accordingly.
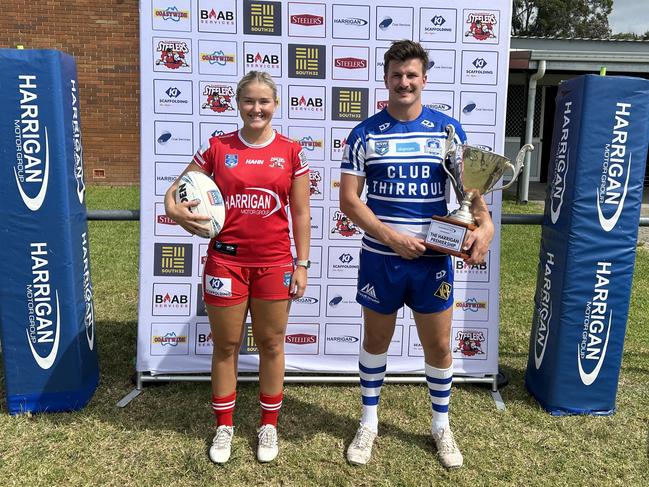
(387, 282)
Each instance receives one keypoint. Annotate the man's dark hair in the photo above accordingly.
(401, 51)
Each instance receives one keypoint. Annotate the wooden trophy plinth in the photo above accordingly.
(447, 235)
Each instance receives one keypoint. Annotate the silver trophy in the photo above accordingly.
(473, 172)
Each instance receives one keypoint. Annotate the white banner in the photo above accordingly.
(327, 59)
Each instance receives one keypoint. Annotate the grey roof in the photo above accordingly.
(561, 54)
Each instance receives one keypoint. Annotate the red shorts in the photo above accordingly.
(227, 285)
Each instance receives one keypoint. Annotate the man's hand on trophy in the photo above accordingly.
(477, 242)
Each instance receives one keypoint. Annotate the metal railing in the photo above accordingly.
(506, 219)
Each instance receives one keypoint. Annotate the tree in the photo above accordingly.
(562, 18)
(626, 36)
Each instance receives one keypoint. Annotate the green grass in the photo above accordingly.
(161, 438)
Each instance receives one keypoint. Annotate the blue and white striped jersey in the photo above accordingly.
(401, 164)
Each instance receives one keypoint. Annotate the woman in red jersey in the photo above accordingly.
(249, 264)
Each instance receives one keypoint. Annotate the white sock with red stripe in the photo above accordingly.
(270, 406)
(223, 408)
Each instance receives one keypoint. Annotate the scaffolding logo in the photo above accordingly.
(479, 63)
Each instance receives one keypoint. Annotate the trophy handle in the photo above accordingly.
(515, 168)
(450, 136)
(449, 148)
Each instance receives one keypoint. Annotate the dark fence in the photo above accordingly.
(506, 219)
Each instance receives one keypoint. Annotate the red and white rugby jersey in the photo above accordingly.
(255, 181)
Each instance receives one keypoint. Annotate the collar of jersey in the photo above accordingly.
(419, 118)
(255, 146)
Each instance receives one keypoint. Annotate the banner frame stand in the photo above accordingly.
(171, 129)
(142, 377)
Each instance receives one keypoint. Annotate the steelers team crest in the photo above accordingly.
(314, 180)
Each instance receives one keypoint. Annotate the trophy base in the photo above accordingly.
(447, 235)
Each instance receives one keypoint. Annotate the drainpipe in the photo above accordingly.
(524, 182)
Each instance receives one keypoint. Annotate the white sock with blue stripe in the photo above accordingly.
(439, 386)
(371, 369)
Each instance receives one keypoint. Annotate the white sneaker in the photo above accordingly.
(267, 448)
(448, 452)
(221, 444)
(360, 449)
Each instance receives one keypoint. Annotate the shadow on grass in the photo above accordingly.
(184, 407)
(116, 344)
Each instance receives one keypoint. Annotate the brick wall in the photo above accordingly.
(103, 36)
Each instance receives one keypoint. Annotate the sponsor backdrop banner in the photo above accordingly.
(588, 243)
(327, 60)
(46, 307)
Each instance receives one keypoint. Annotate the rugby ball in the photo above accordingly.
(195, 185)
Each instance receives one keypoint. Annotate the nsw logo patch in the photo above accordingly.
(382, 147)
(231, 160)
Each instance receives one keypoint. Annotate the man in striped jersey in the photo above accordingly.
(397, 154)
